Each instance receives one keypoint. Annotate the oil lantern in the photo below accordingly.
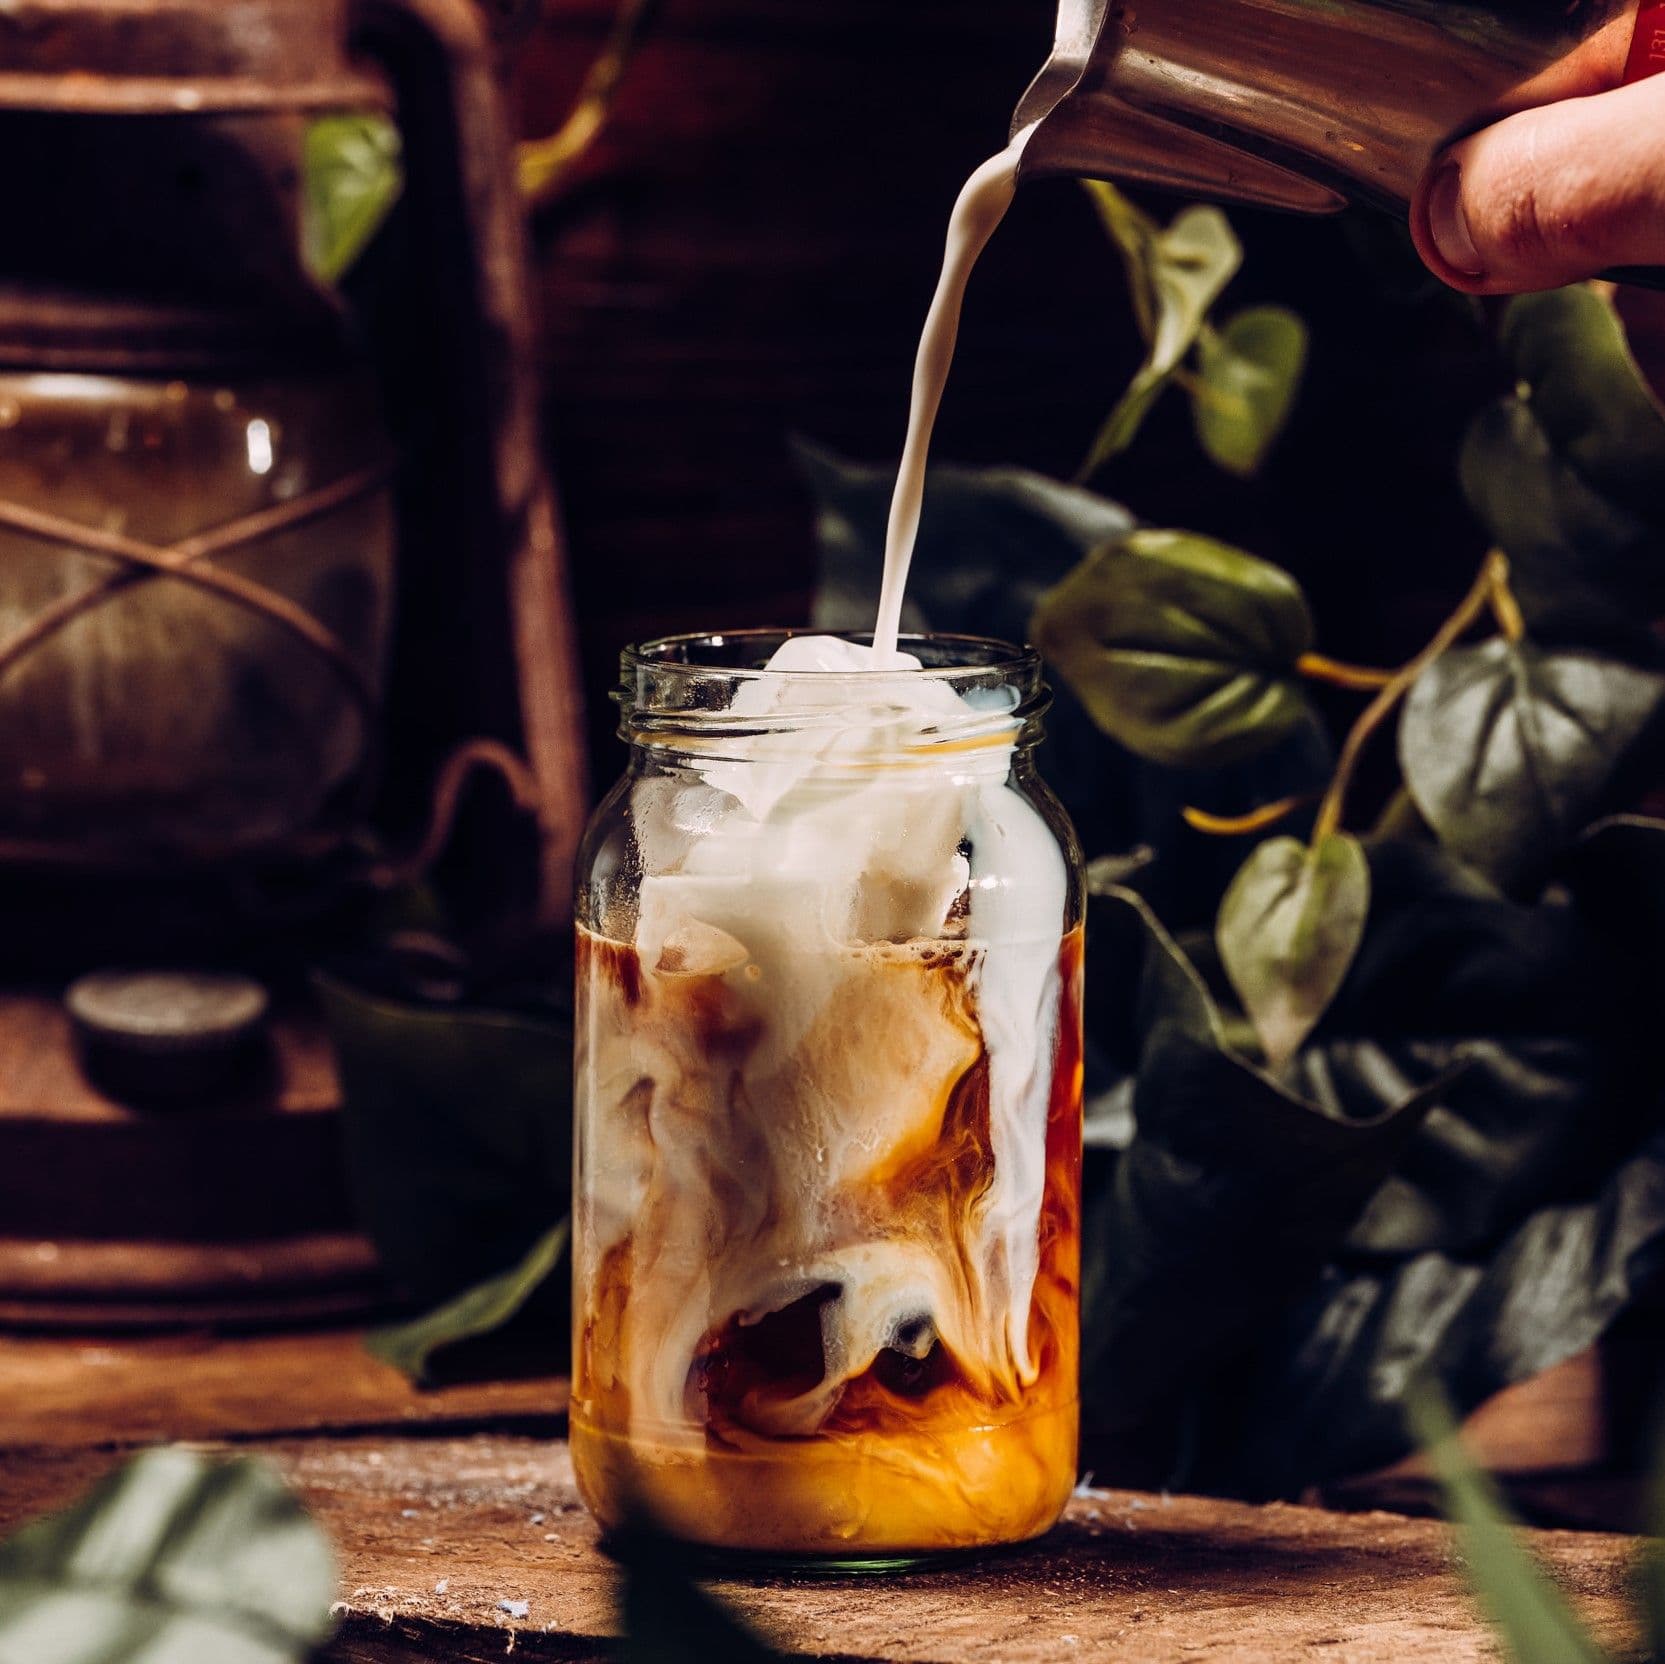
(275, 565)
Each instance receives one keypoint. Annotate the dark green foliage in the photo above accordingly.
(459, 1133)
(1567, 472)
(175, 1559)
(990, 541)
(666, 1617)
(1321, 1392)
(1193, 1243)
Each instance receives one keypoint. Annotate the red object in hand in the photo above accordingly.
(1647, 44)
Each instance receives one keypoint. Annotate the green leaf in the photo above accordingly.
(1568, 473)
(459, 1132)
(1510, 751)
(1529, 1612)
(1181, 648)
(1248, 374)
(172, 1559)
(1583, 566)
(1174, 275)
(410, 1347)
(1289, 928)
(350, 178)
(1586, 393)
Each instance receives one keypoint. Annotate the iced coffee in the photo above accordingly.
(828, 1105)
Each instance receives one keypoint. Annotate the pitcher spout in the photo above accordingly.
(1300, 104)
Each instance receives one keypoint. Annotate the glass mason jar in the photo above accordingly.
(828, 1107)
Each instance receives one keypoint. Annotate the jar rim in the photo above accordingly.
(973, 655)
(691, 688)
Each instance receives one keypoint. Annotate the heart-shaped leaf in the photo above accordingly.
(1181, 648)
(1248, 374)
(1531, 1614)
(1510, 751)
(172, 1559)
(1174, 275)
(1289, 928)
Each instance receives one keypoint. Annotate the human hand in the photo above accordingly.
(1550, 195)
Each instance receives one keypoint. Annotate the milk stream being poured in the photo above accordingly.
(982, 205)
(819, 1073)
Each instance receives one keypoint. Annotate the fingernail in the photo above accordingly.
(1448, 224)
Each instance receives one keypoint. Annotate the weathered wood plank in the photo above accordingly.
(435, 1532)
(59, 1391)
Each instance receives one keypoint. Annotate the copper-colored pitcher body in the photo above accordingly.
(1301, 104)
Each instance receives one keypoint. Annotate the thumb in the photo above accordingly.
(1549, 196)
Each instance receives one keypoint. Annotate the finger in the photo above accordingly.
(1549, 196)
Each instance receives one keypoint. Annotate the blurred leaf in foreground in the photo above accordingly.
(172, 1559)
(1528, 1611)
(666, 1617)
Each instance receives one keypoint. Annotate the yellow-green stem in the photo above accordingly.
(1356, 678)
(1505, 608)
(1239, 826)
(1381, 707)
(544, 165)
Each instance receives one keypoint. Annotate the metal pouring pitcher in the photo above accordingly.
(1301, 104)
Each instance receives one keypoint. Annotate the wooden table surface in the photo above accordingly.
(443, 1505)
